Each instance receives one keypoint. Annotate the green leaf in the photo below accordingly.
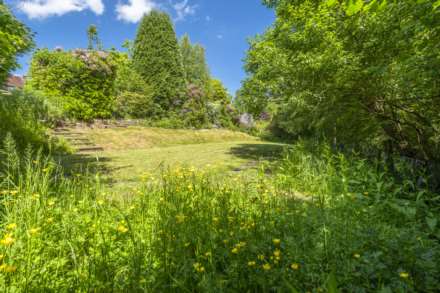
(436, 4)
(332, 284)
(331, 3)
(371, 5)
(432, 223)
(354, 7)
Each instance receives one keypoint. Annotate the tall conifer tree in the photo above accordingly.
(157, 58)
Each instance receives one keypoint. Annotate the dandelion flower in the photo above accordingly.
(276, 241)
(261, 257)
(122, 229)
(11, 226)
(34, 231)
(294, 266)
(8, 240)
(266, 267)
(198, 267)
(252, 263)
(235, 250)
(404, 275)
(7, 268)
(356, 255)
(277, 253)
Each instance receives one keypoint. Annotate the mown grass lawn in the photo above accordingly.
(130, 152)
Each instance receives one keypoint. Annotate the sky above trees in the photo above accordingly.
(222, 27)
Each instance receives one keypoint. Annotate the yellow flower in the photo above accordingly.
(198, 267)
(404, 275)
(276, 241)
(51, 203)
(13, 192)
(8, 240)
(294, 266)
(261, 257)
(235, 250)
(34, 231)
(277, 253)
(180, 218)
(252, 263)
(356, 255)
(241, 244)
(50, 220)
(225, 241)
(267, 267)
(7, 268)
(122, 229)
(208, 254)
(100, 202)
(366, 193)
(11, 226)
(35, 196)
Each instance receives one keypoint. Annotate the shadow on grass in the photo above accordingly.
(255, 152)
(88, 164)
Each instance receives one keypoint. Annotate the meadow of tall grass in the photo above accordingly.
(311, 224)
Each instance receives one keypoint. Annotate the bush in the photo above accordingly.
(80, 82)
(25, 117)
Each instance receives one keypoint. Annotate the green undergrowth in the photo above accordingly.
(315, 223)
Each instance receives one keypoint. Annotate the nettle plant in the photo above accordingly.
(81, 82)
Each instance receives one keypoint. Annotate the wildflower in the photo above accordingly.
(122, 229)
(404, 275)
(34, 231)
(276, 241)
(100, 202)
(277, 253)
(266, 267)
(215, 220)
(294, 266)
(235, 250)
(8, 240)
(356, 255)
(7, 268)
(50, 220)
(252, 263)
(51, 203)
(180, 218)
(13, 192)
(261, 257)
(241, 244)
(225, 241)
(198, 267)
(11, 226)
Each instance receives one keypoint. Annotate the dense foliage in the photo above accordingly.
(25, 117)
(359, 74)
(15, 39)
(157, 58)
(81, 82)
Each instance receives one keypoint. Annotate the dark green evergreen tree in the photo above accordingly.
(157, 58)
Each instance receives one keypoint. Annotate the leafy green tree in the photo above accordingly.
(157, 58)
(218, 92)
(194, 63)
(15, 39)
(358, 73)
(134, 98)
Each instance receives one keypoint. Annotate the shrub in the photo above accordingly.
(81, 82)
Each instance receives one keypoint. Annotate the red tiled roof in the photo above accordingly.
(15, 81)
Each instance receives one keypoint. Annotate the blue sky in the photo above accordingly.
(221, 26)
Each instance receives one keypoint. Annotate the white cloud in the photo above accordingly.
(183, 9)
(134, 10)
(46, 8)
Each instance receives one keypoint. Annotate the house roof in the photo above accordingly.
(15, 81)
